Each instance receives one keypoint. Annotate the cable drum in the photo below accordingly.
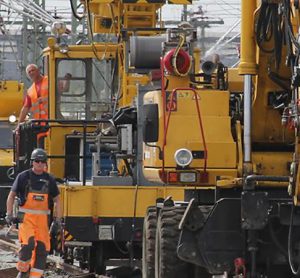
(145, 52)
(178, 63)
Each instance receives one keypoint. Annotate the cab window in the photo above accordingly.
(82, 91)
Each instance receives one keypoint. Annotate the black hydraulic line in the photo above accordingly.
(277, 37)
(276, 241)
(295, 271)
(254, 178)
(252, 248)
(74, 11)
(264, 29)
(280, 81)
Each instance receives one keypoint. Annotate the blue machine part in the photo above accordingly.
(107, 164)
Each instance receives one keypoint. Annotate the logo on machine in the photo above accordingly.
(171, 103)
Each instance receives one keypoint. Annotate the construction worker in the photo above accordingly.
(36, 100)
(35, 189)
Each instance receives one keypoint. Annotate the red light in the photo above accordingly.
(96, 220)
(138, 235)
(173, 177)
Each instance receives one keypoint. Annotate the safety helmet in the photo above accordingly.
(39, 154)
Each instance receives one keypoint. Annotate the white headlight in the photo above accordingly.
(12, 119)
(183, 157)
(63, 48)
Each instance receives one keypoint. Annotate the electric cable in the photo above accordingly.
(74, 11)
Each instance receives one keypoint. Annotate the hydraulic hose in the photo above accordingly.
(253, 178)
(295, 271)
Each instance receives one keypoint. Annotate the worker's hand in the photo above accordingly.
(58, 222)
(9, 219)
(55, 226)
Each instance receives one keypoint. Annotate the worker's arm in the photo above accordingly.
(24, 111)
(10, 202)
(57, 207)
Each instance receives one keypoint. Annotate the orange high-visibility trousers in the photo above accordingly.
(35, 244)
(34, 233)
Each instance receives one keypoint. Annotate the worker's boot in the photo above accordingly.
(23, 275)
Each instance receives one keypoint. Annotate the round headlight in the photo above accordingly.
(63, 48)
(12, 119)
(183, 157)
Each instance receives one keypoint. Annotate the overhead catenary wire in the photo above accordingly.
(6, 33)
(210, 51)
(30, 9)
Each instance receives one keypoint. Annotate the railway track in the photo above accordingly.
(55, 265)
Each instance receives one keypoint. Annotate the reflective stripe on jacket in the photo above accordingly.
(39, 105)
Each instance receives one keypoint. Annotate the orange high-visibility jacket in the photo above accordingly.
(39, 104)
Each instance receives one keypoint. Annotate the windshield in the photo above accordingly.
(82, 89)
(6, 135)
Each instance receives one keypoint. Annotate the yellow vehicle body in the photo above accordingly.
(98, 201)
(11, 98)
(236, 179)
(11, 94)
(222, 150)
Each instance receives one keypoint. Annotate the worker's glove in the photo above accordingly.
(10, 220)
(55, 226)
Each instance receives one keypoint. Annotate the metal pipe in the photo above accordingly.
(247, 117)
(253, 178)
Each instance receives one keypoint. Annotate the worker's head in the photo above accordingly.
(216, 58)
(39, 160)
(33, 72)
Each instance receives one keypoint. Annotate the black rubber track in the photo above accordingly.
(149, 232)
(167, 263)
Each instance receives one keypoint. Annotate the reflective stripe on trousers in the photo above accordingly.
(23, 266)
(36, 273)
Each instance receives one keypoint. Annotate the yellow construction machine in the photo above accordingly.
(11, 96)
(240, 150)
(137, 128)
(94, 135)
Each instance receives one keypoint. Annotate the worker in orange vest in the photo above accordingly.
(35, 190)
(36, 100)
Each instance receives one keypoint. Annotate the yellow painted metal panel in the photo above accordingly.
(11, 94)
(6, 157)
(216, 123)
(116, 201)
(272, 163)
